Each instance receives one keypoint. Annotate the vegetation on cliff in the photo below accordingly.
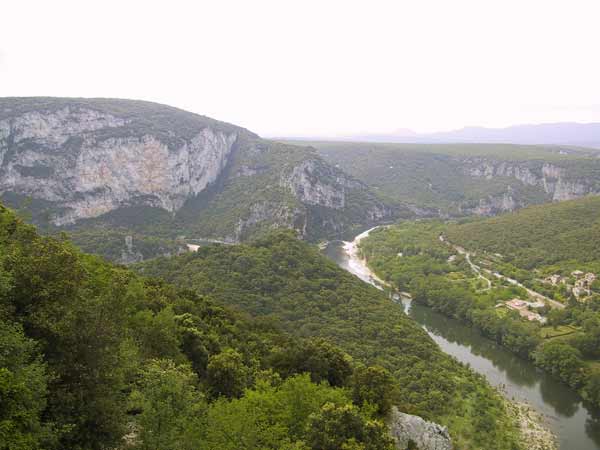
(436, 177)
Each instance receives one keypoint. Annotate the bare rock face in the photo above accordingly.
(316, 184)
(128, 254)
(426, 435)
(493, 205)
(555, 181)
(279, 215)
(65, 157)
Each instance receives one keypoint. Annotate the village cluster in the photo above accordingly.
(579, 284)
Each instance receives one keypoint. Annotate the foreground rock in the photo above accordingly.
(405, 428)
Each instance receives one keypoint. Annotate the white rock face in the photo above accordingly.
(426, 435)
(276, 214)
(492, 205)
(97, 175)
(307, 183)
(553, 180)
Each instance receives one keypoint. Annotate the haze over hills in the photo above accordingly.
(569, 133)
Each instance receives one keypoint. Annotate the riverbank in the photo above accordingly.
(533, 426)
(358, 265)
(534, 431)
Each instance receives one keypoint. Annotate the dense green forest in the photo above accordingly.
(411, 257)
(563, 234)
(94, 356)
(284, 279)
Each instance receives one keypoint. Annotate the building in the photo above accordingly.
(516, 304)
(555, 279)
(579, 291)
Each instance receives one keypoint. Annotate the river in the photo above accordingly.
(576, 426)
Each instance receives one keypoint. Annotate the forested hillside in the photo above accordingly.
(93, 356)
(465, 179)
(566, 233)
(282, 278)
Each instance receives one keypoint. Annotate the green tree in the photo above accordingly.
(561, 360)
(591, 392)
(318, 357)
(337, 427)
(23, 384)
(227, 375)
(374, 386)
(268, 417)
(172, 409)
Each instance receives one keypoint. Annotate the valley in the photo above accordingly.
(537, 298)
(230, 225)
(229, 218)
(573, 422)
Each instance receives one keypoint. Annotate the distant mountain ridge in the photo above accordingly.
(547, 133)
(560, 133)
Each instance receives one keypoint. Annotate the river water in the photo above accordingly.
(576, 426)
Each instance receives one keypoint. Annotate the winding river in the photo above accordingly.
(576, 426)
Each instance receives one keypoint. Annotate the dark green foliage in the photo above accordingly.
(171, 407)
(226, 374)
(23, 384)
(110, 243)
(323, 361)
(280, 277)
(373, 386)
(342, 427)
(539, 236)
(561, 360)
(138, 362)
(270, 417)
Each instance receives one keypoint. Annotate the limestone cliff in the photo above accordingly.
(547, 181)
(92, 159)
(405, 428)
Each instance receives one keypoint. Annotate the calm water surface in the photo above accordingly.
(577, 427)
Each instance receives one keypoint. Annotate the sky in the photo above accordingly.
(315, 68)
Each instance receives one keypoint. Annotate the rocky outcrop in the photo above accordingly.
(495, 204)
(129, 255)
(405, 428)
(315, 183)
(556, 182)
(533, 426)
(269, 214)
(65, 157)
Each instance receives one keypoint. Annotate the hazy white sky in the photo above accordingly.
(315, 67)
